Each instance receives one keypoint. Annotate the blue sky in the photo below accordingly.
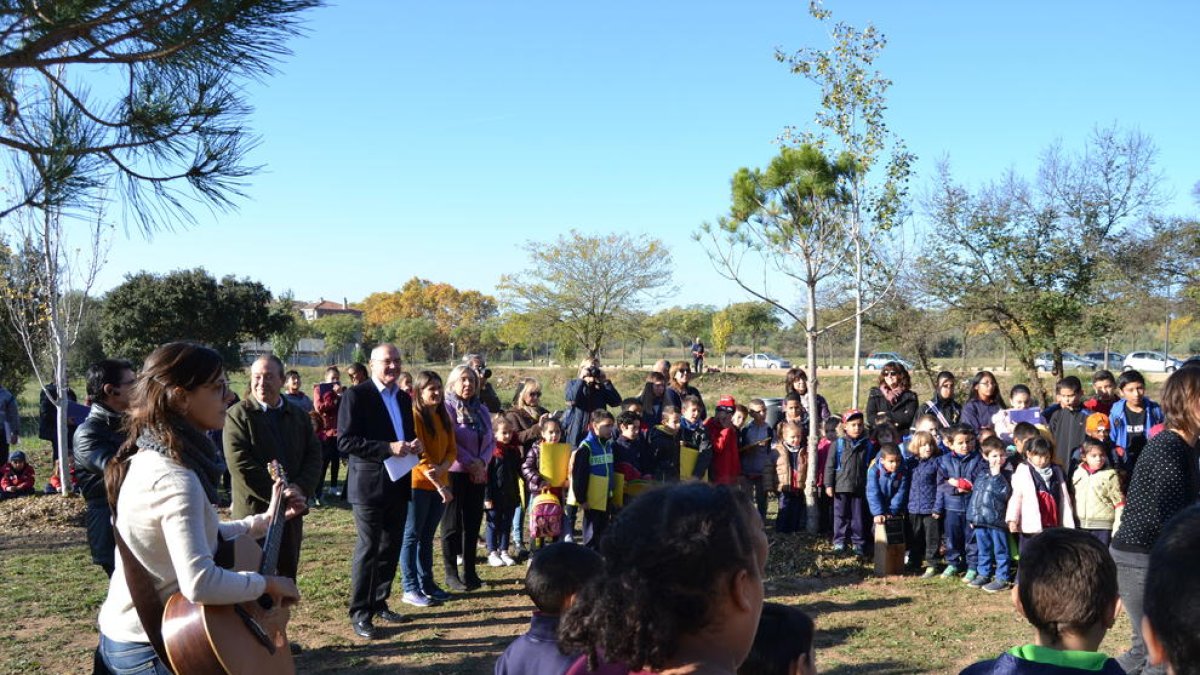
(432, 139)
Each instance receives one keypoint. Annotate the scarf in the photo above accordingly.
(890, 393)
(795, 480)
(466, 413)
(502, 449)
(198, 454)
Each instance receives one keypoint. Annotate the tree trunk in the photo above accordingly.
(858, 296)
(812, 512)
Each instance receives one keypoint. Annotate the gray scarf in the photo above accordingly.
(198, 454)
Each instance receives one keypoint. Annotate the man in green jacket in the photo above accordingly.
(261, 428)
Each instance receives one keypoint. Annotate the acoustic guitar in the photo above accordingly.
(248, 638)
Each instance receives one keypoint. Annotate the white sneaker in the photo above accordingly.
(507, 559)
(494, 560)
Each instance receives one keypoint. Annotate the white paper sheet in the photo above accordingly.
(398, 467)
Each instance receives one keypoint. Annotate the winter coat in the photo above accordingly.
(12, 480)
(790, 468)
(1165, 481)
(325, 405)
(504, 475)
(1098, 498)
(923, 486)
(846, 466)
(979, 414)
(1033, 660)
(901, 413)
(946, 411)
(675, 399)
(887, 493)
(1069, 429)
(949, 466)
(1119, 433)
(755, 460)
(526, 424)
(581, 401)
(630, 452)
(989, 501)
(726, 463)
(97, 441)
(663, 462)
(697, 438)
(473, 437)
(1023, 507)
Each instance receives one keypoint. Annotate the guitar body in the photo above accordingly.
(213, 639)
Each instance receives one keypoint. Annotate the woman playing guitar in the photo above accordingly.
(162, 487)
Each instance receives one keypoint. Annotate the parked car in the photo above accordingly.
(1151, 362)
(1116, 360)
(765, 361)
(1045, 362)
(877, 360)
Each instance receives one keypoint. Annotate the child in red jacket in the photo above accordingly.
(727, 464)
(16, 477)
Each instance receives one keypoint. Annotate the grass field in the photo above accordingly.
(52, 592)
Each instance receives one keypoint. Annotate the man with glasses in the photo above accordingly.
(109, 384)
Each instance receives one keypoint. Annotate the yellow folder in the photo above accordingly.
(552, 463)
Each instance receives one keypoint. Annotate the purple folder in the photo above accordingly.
(1031, 415)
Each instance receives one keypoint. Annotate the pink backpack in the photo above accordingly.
(545, 517)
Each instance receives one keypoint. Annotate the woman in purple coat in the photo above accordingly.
(468, 477)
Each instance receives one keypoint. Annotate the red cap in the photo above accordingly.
(726, 402)
(851, 414)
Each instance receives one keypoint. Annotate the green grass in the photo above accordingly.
(902, 625)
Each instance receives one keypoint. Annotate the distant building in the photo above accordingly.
(311, 311)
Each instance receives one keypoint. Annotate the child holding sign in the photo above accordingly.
(592, 477)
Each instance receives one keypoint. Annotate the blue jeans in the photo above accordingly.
(416, 553)
(960, 543)
(499, 529)
(130, 658)
(518, 526)
(992, 543)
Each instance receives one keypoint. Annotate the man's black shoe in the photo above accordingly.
(391, 617)
(365, 629)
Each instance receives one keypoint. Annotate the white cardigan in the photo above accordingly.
(171, 528)
(1023, 505)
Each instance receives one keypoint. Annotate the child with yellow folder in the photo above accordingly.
(592, 477)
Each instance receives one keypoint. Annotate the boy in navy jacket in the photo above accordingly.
(956, 473)
(887, 484)
(556, 573)
(846, 482)
(986, 511)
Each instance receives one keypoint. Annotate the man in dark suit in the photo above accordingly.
(375, 422)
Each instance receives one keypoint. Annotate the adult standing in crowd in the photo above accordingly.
(10, 433)
(430, 490)
(527, 413)
(590, 391)
(698, 355)
(943, 405)
(293, 394)
(678, 388)
(375, 422)
(472, 425)
(110, 386)
(984, 402)
(1166, 480)
(796, 382)
(663, 366)
(893, 399)
(265, 427)
(487, 393)
(162, 486)
(654, 397)
(326, 400)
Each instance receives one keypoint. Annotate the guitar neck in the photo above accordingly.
(271, 544)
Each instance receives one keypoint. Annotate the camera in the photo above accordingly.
(484, 372)
(593, 371)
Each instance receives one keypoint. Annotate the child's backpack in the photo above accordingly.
(545, 517)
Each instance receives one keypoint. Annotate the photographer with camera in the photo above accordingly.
(591, 391)
(487, 393)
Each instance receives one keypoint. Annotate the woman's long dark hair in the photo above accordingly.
(182, 365)
(427, 412)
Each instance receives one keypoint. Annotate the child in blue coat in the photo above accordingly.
(887, 485)
(956, 473)
(924, 532)
(985, 512)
